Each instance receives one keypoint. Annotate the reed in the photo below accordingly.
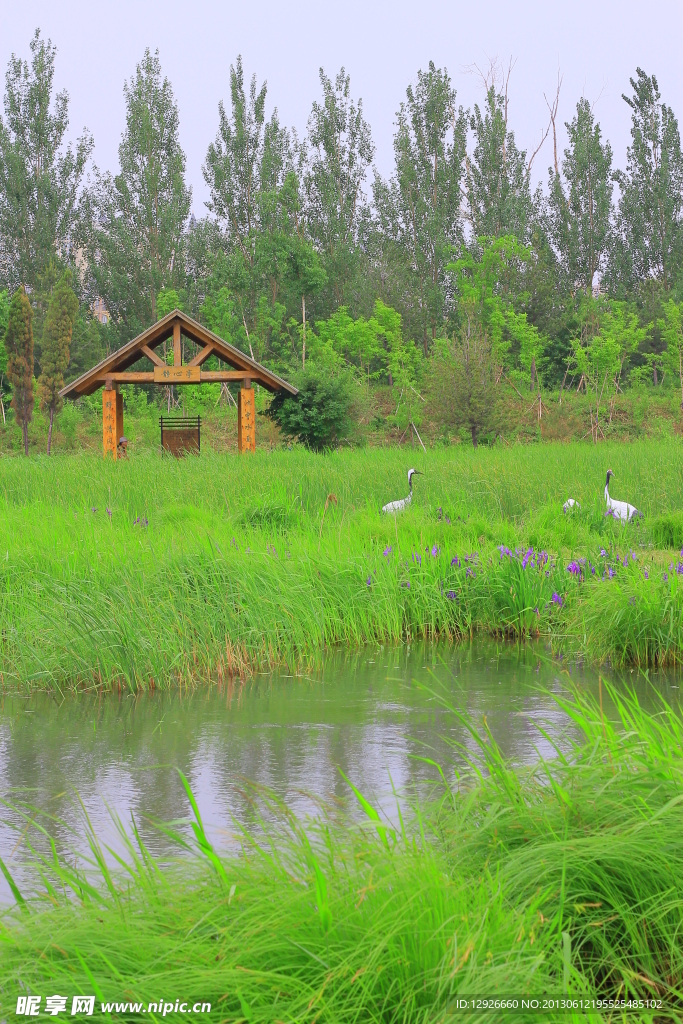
(153, 571)
(565, 879)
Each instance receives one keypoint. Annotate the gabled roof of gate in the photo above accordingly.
(161, 331)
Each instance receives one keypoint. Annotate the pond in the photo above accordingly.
(376, 714)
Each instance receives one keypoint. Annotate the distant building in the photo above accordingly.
(100, 311)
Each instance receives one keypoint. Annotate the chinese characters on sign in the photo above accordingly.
(246, 421)
(177, 374)
(109, 438)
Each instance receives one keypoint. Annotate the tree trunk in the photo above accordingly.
(49, 432)
(24, 428)
(654, 374)
(303, 319)
(533, 373)
(473, 428)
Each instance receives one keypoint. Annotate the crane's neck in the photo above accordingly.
(607, 492)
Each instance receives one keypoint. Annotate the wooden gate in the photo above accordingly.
(180, 434)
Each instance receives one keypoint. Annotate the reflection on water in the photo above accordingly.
(373, 713)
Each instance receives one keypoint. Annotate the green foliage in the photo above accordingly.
(420, 208)
(649, 242)
(319, 416)
(133, 224)
(57, 332)
(463, 385)
(167, 300)
(671, 328)
(39, 176)
(19, 348)
(579, 219)
(497, 182)
(4, 318)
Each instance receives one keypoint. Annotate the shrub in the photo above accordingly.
(320, 415)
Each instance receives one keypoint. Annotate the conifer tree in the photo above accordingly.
(19, 348)
(57, 332)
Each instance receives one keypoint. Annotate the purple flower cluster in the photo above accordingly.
(140, 521)
(557, 599)
(417, 558)
(455, 561)
(451, 595)
(387, 551)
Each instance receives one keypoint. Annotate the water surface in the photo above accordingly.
(374, 714)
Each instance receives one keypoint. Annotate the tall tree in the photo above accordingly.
(419, 210)
(340, 151)
(19, 348)
(39, 176)
(57, 332)
(649, 244)
(248, 169)
(498, 192)
(580, 208)
(134, 228)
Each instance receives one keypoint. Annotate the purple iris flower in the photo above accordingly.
(417, 558)
(527, 555)
(451, 595)
(109, 512)
(603, 553)
(611, 572)
(633, 556)
(387, 551)
(435, 551)
(646, 574)
(406, 584)
(455, 561)
(93, 510)
(556, 599)
(368, 581)
(503, 551)
(574, 568)
(665, 576)
(679, 569)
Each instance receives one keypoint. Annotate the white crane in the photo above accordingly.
(398, 506)
(619, 509)
(571, 503)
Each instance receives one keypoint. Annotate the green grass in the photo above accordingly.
(561, 879)
(219, 564)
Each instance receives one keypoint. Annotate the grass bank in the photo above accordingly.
(563, 880)
(151, 571)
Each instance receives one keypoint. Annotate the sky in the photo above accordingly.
(595, 44)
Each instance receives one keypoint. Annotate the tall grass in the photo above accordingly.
(148, 571)
(562, 879)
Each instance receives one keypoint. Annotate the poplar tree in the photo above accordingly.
(40, 177)
(498, 175)
(57, 332)
(419, 210)
(134, 224)
(649, 243)
(19, 348)
(580, 208)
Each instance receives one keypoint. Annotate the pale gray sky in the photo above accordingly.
(597, 44)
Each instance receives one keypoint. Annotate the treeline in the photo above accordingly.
(454, 275)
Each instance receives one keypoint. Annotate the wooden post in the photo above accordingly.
(119, 418)
(177, 355)
(110, 398)
(246, 418)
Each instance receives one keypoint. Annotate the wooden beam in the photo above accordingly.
(128, 377)
(177, 355)
(152, 356)
(201, 356)
(222, 375)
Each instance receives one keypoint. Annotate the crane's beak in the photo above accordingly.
(416, 472)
